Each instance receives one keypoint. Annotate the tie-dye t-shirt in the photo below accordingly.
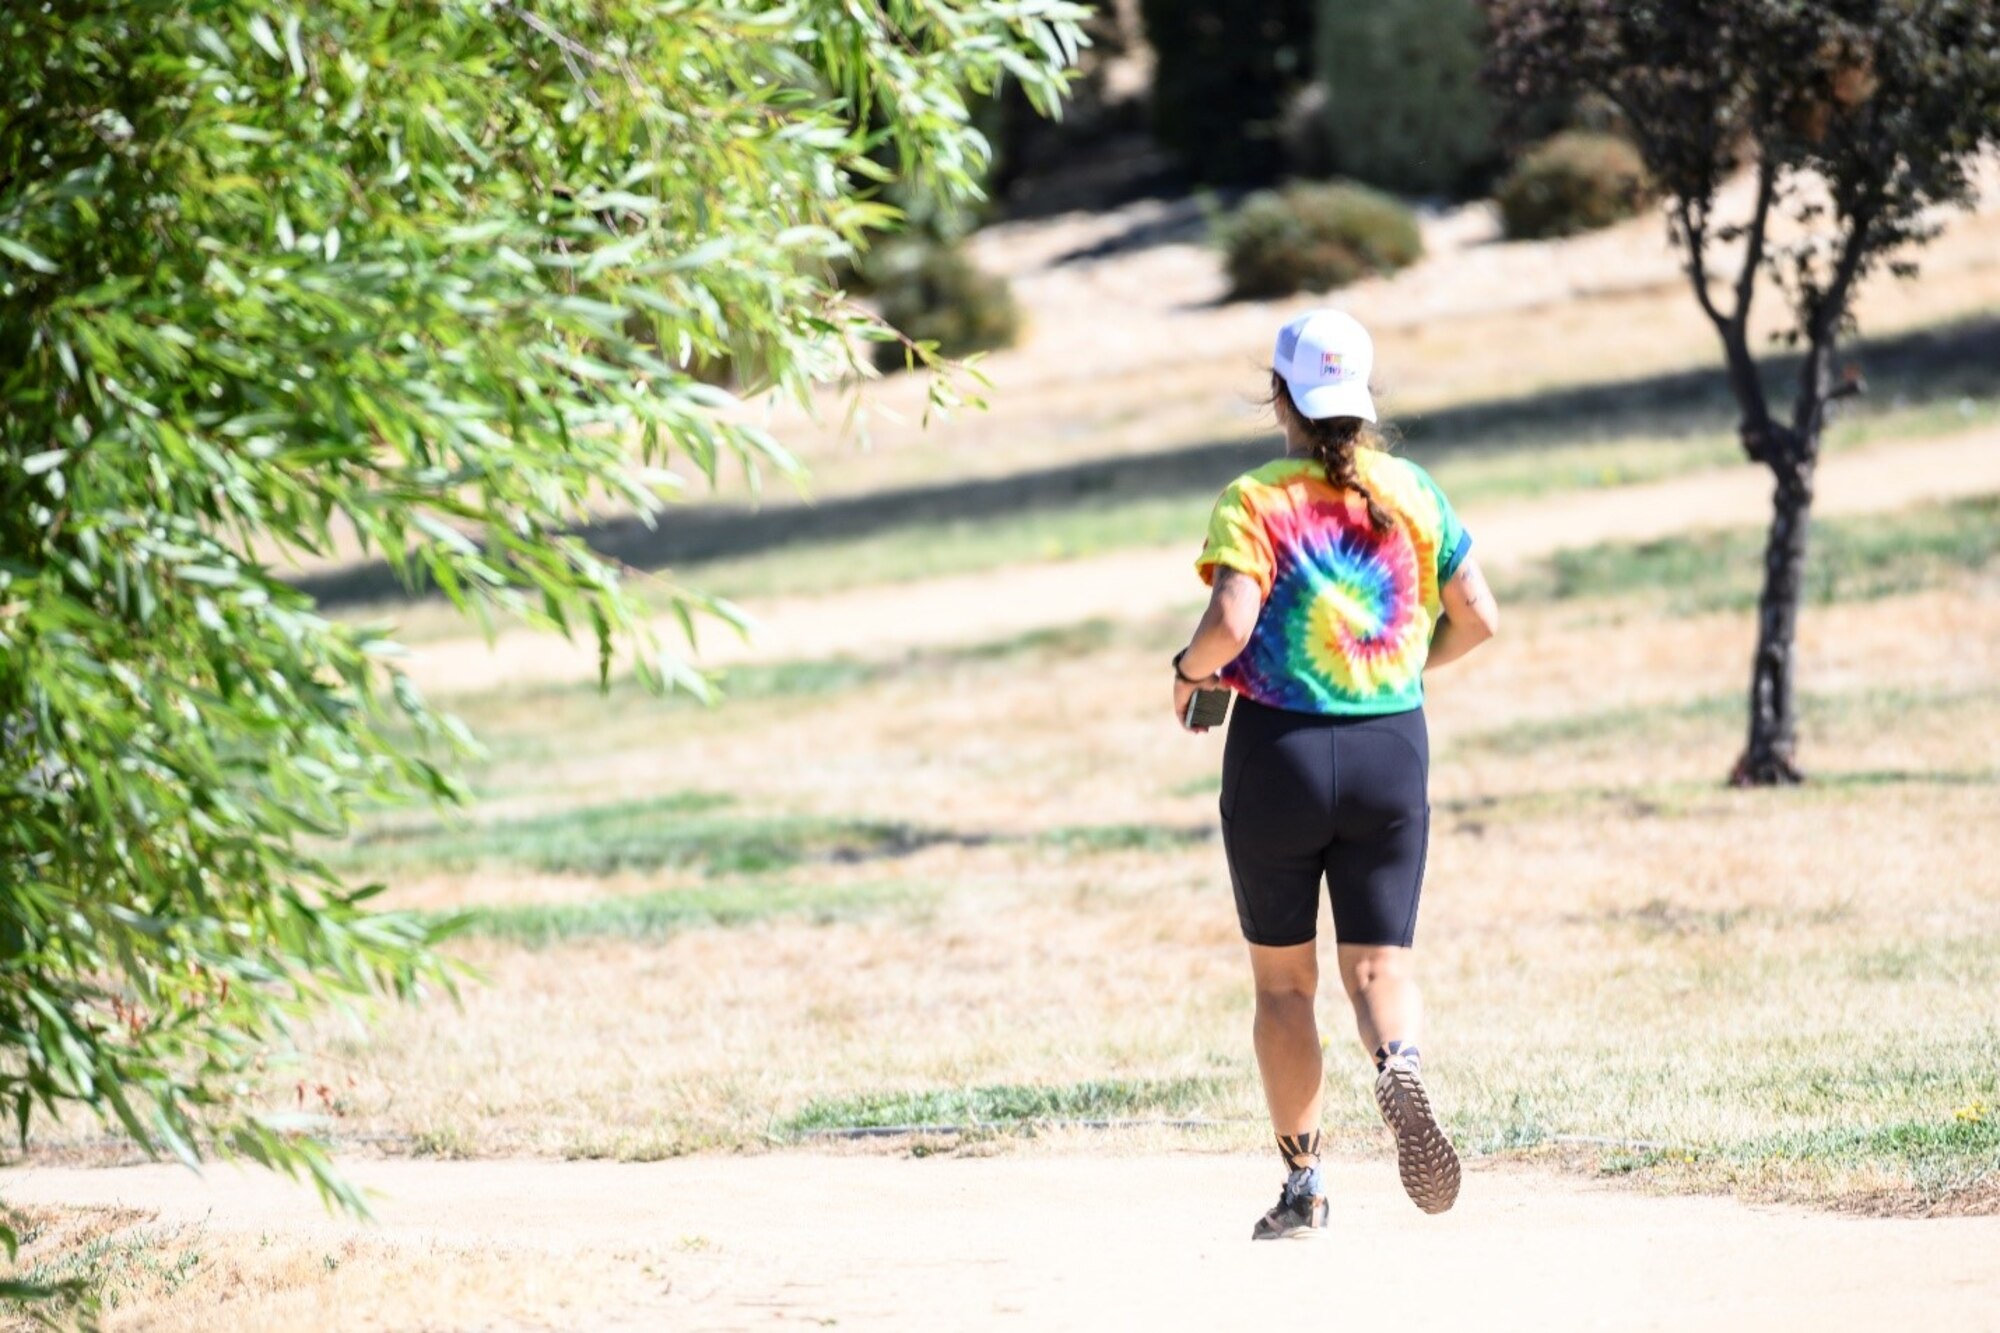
(1348, 612)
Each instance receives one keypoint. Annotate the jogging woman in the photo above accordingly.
(1339, 575)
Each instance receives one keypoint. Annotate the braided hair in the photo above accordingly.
(1333, 441)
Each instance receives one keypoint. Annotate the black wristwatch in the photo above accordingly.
(1180, 675)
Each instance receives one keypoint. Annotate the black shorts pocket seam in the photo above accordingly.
(1423, 762)
(1245, 920)
(1232, 776)
(1417, 890)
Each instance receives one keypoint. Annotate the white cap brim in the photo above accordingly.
(1334, 400)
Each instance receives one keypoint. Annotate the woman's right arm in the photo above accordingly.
(1471, 616)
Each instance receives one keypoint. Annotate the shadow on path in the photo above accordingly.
(1930, 366)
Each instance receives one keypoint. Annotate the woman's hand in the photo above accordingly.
(1184, 691)
(1226, 626)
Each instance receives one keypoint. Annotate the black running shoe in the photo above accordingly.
(1301, 1209)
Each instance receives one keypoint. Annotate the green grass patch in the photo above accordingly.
(103, 1273)
(1008, 1104)
(1652, 722)
(784, 680)
(1955, 1153)
(1478, 476)
(1089, 838)
(682, 831)
(1938, 1157)
(651, 916)
(1472, 471)
(1603, 726)
(921, 550)
(1849, 559)
(1697, 799)
(1525, 464)
(807, 679)
(663, 834)
(1791, 1113)
(559, 704)
(659, 835)
(1056, 641)
(523, 723)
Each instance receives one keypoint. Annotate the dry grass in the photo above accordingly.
(187, 1279)
(1615, 945)
(1706, 969)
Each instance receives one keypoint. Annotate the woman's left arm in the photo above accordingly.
(1471, 616)
(1224, 630)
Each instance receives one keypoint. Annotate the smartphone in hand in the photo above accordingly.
(1207, 708)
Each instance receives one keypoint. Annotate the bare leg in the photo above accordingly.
(1388, 1008)
(1286, 1036)
(1288, 1056)
(1382, 983)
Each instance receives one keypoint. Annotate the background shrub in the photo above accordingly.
(1405, 106)
(1575, 182)
(1312, 237)
(933, 292)
(1222, 79)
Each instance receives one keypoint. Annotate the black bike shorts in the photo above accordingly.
(1306, 797)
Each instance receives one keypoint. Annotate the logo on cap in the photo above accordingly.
(1329, 365)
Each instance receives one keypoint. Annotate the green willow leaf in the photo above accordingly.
(26, 257)
(433, 279)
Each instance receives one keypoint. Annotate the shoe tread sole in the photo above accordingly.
(1425, 1158)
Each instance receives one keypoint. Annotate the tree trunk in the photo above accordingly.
(1769, 758)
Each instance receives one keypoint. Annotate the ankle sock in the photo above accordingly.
(1299, 1150)
(1406, 1049)
(1301, 1154)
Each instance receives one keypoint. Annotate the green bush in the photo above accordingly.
(1405, 107)
(1312, 237)
(1574, 182)
(934, 293)
(1222, 78)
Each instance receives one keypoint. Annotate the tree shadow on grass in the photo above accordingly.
(1925, 368)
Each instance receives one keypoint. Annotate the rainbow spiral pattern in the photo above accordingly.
(1348, 612)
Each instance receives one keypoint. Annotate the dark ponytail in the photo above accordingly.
(1333, 441)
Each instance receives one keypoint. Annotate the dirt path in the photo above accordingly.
(994, 604)
(1107, 1243)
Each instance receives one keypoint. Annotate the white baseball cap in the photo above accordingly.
(1325, 358)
